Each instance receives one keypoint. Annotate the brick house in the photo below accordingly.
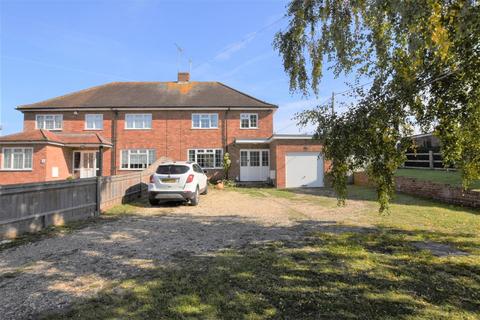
(118, 127)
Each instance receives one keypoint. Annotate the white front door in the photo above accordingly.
(88, 163)
(254, 165)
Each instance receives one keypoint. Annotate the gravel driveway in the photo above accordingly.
(54, 272)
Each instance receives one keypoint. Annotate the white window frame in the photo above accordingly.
(11, 160)
(94, 121)
(207, 151)
(49, 115)
(147, 124)
(129, 152)
(200, 115)
(248, 115)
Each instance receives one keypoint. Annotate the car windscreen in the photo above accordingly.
(172, 169)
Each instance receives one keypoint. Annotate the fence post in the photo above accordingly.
(430, 159)
(141, 185)
(99, 195)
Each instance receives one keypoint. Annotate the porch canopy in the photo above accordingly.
(61, 139)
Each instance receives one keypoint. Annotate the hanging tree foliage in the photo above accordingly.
(424, 59)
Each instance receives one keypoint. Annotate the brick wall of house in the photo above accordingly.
(171, 134)
(427, 189)
(58, 157)
(279, 149)
(38, 168)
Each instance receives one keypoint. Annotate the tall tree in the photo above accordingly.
(423, 57)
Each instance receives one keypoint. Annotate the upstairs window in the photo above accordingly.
(249, 121)
(204, 120)
(49, 121)
(138, 121)
(206, 158)
(137, 159)
(94, 121)
(17, 158)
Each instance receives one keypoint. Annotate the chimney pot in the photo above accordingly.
(183, 76)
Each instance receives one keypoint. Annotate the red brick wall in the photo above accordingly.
(38, 169)
(427, 189)
(58, 157)
(171, 134)
(279, 149)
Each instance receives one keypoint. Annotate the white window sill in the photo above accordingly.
(86, 129)
(138, 128)
(251, 128)
(133, 169)
(23, 170)
(204, 128)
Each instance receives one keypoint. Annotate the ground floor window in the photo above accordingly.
(17, 158)
(206, 158)
(133, 159)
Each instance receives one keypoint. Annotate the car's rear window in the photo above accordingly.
(172, 169)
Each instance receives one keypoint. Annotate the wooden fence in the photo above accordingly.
(33, 206)
(424, 160)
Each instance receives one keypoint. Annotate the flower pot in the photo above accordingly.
(219, 185)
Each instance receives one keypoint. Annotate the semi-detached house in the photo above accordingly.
(119, 127)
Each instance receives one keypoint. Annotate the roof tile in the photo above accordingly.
(154, 94)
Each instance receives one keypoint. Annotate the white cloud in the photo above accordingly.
(232, 48)
(301, 105)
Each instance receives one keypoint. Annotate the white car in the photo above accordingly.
(177, 181)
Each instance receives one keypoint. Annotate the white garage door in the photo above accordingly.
(304, 169)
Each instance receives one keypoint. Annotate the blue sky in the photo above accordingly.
(50, 48)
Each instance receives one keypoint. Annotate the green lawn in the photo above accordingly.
(440, 176)
(374, 272)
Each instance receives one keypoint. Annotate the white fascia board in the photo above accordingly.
(291, 137)
(252, 141)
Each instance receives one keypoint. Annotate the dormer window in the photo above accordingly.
(248, 121)
(49, 121)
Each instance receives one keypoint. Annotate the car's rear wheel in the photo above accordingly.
(196, 198)
(206, 189)
(153, 201)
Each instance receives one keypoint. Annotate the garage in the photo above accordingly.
(304, 170)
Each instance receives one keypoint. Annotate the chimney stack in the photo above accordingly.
(183, 76)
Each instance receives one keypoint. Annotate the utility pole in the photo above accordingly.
(333, 103)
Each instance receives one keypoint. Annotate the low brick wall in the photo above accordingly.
(427, 189)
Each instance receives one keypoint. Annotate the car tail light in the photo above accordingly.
(152, 180)
(190, 178)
